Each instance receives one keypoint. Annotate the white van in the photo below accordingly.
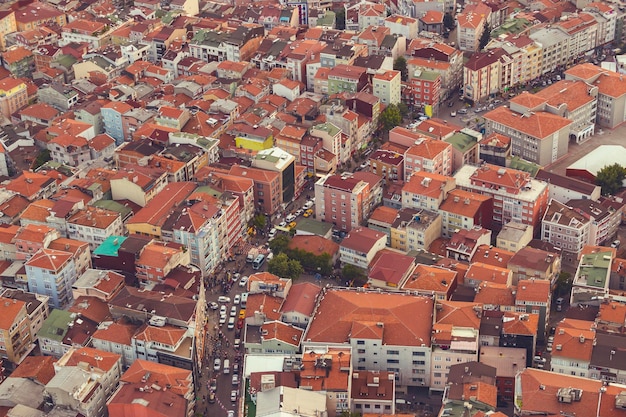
(226, 366)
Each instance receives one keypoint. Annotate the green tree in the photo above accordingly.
(484, 38)
(42, 158)
(259, 221)
(340, 18)
(354, 275)
(404, 109)
(279, 244)
(390, 117)
(610, 178)
(400, 65)
(284, 267)
(448, 21)
(563, 283)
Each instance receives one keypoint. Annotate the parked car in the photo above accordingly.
(462, 111)
(308, 213)
(226, 366)
(271, 234)
(213, 305)
(290, 217)
(453, 113)
(223, 299)
(292, 225)
(616, 244)
(237, 299)
(217, 364)
(283, 223)
(233, 395)
(299, 212)
(222, 319)
(211, 397)
(231, 323)
(223, 309)
(308, 204)
(213, 384)
(235, 379)
(243, 281)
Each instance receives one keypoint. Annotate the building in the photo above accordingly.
(535, 296)
(267, 189)
(373, 392)
(516, 196)
(94, 225)
(104, 366)
(387, 86)
(427, 155)
(566, 229)
(572, 347)
(360, 246)
(495, 149)
(532, 263)
(277, 160)
(465, 210)
(604, 220)
(564, 189)
(52, 273)
(341, 200)
(15, 329)
(450, 345)
(381, 337)
(390, 270)
(508, 362)
(469, 29)
(432, 280)
(464, 243)
(514, 236)
(423, 88)
(464, 147)
(591, 281)
(426, 190)
(539, 137)
(414, 229)
(13, 96)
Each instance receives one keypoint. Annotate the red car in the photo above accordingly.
(240, 323)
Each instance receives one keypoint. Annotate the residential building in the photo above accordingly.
(439, 57)
(604, 220)
(565, 228)
(469, 29)
(267, 189)
(341, 200)
(426, 190)
(300, 302)
(386, 86)
(59, 96)
(432, 280)
(112, 119)
(591, 280)
(388, 340)
(464, 148)
(116, 337)
(36, 307)
(471, 385)
(535, 296)
(39, 14)
(98, 283)
(387, 164)
(17, 340)
(52, 273)
(105, 367)
(423, 88)
(465, 210)
(508, 362)
(427, 155)
(516, 196)
(360, 246)
(93, 225)
(346, 78)
(76, 389)
(606, 363)
(390, 269)
(450, 345)
(464, 243)
(277, 160)
(13, 95)
(373, 392)
(8, 25)
(531, 263)
(514, 236)
(413, 230)
(495, 149)
(572, 347)
(63, 330)
(479, 273)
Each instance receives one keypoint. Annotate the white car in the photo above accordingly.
(453, 114)
(299, 212)
(233, 311)
(237, 299)
(231, 413)
(217, 364)
(364, 165)
(308, 205)
(213, 305)
(244, 281)
(235, 379)
(222, 319)
(233, 395)
(222, 309)
(272, 233)
(282, 224)
(290, 218)
(223, 299)
(231, 323)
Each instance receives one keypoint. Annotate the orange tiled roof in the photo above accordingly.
(116, 332)
(539, 124)
(178, 380)
(11, 309)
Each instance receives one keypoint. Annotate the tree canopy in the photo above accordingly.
(400, 65)
(284, 267)
(390, 117)
(610, 178)
(448, 21)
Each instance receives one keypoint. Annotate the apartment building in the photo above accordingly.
(13, 95)
(267, 190)
(373, 391)
(469, 29)
(516, 196)
(388, 164)
(605, 221)
(465, 210)
(482, 74)
(565, 228)
(386, 85)
(432, 280)
(514, 236)
(414, 229)
(290, 140)
(592, 277)
(16, 342)
(539, 137)
(360, 247)
(340, 200)
(390, 340)
(572, 347)
(346, 78)
(93, 225)
(425, 190)
(283, 163)
(564, 189)
(450, 345)
(52, 273)
(495, 149)
(606, 19)
(426, 155)
(429, 55)
(423, 88)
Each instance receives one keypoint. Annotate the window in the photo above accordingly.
(393, 352)
(393, 361)
(360, 342)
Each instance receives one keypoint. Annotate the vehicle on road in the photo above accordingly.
(222, 319)
(616, 244)
(242, 313)
(231, 323)
(223, 299)
(213, 384)
(453, 114)
(243, 281)
(211, 397)
(308, 204)
(299, 212)
(292, 225)
(236, 300)
(290, 218)
(217, 364)
(283, 223)
(462, 111)
(222, 309)
(235, 379)
(308, 213)
(233, 395)
(231, 413)
(233, 311)
(271, 234)
(213, 305)
(226, 366)
(258, 262)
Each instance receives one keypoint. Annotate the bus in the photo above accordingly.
(258, 262)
